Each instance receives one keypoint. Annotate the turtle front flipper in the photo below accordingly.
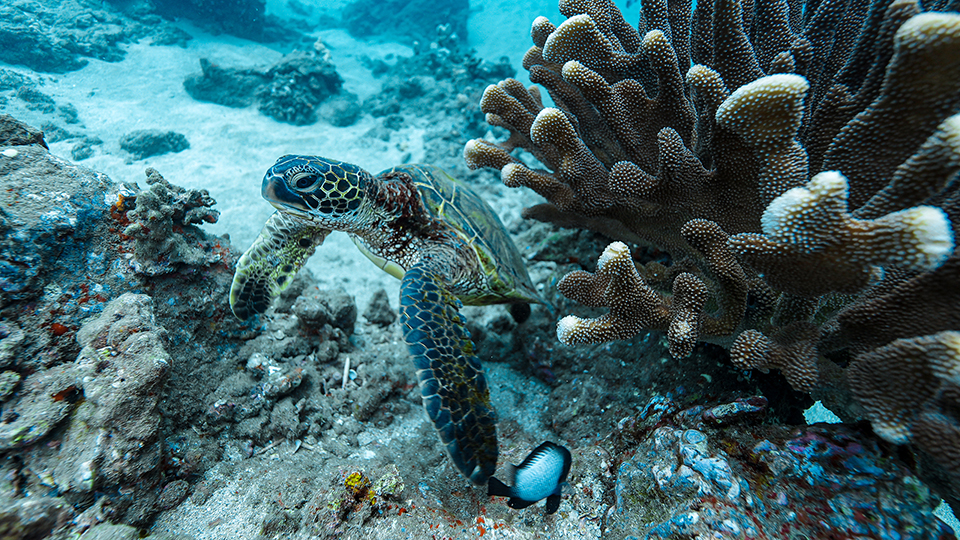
(269, 266)
(454, 390)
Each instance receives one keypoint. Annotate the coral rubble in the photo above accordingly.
(797, 160)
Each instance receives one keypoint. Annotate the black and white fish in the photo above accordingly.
(541, 475)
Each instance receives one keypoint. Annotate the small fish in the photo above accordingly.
(541, 475)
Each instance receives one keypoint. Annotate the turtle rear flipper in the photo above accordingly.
(269, 266)
(452, 384)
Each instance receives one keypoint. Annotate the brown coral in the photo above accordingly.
(895, 382)
(808, 160)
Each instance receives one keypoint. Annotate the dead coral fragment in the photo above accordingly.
(162, 225)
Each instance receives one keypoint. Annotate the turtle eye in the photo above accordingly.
(304, 180)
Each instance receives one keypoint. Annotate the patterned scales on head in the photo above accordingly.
(418, 224)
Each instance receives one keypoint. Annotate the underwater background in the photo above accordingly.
(135, 135)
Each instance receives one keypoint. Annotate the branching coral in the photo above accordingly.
(800, 154)
(162, 225)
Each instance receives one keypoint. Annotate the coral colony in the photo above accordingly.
(778, 184)
(795, 159)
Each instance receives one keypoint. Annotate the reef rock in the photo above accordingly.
(46, 398)
(407, 20)
(289, 91)
(124, 364)
(316, 308)
(681, 476)
(244, 18)
(57, 37)
(145, 143)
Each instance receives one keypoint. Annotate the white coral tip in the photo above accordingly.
(762, 90)
(829, 184)
(653, 37)
(928, 27)
(470, 147)
(778, 214)
(567, 329)
(507, 172)
(932, 234)
(613, 251)
(778, 220)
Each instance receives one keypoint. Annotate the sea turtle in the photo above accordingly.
(418, 224)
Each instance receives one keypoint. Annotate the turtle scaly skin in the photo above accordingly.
(452, 384)
(418, 224)
(282, 248)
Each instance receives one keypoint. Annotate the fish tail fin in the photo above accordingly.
(497, 488)
(511, 474)
(553, 503)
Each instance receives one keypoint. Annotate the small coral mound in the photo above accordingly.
(145, 143)
(292, 90)
(163, 225)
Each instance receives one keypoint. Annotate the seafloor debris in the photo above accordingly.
(680, 477)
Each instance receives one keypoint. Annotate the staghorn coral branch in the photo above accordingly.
(922, 176)
(766, 115)
(894, 382)
(791, 349)
(915, 98)
(711, 241)
(634, 306)
(811, 245)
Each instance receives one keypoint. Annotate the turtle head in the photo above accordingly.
(331, 194)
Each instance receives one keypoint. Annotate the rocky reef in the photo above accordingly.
(132, 399)
(50, 36)
(407, 21)
(244, 18)
(293, 90)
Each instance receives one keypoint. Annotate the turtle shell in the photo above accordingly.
(460, 208)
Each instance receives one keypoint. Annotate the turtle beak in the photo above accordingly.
(296, 212)
(280, 196)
